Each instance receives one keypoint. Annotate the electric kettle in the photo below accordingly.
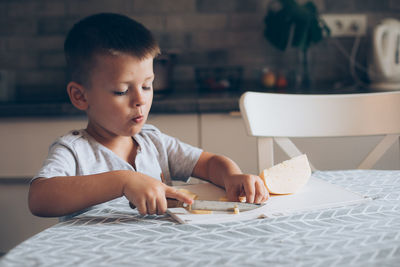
(384, 65)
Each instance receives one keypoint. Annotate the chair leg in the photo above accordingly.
(265, 146)
(378, 151)
(290, 149)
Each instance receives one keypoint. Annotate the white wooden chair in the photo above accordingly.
(277, 117)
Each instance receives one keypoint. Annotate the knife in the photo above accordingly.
(222, 205)
(212, 205)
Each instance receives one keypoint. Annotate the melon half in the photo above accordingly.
(287, 177)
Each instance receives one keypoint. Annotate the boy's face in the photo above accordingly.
(120, 95)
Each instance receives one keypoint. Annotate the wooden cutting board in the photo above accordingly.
(317, 194)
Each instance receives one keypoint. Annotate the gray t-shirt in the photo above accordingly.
(77, 153)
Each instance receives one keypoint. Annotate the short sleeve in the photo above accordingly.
(59, 162)
(182, 157)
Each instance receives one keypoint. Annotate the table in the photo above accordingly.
(113, 235)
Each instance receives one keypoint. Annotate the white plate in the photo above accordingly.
(317, 194)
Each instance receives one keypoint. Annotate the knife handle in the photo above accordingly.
(171, 203)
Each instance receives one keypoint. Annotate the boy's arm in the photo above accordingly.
(60, 196)
(222, 171)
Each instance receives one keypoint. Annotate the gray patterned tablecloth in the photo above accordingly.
(113, 235)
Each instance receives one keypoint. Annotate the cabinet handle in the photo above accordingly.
(235, 114)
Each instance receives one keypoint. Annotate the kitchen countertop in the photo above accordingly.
(171, 102)
(177, 101)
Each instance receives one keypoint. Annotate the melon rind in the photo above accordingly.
(287, 177)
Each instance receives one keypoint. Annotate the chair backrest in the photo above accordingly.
(270, 116)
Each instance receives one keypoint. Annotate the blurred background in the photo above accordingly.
(198, 33)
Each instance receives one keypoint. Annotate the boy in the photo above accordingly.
(110, 59)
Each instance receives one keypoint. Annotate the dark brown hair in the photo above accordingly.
(105, 33)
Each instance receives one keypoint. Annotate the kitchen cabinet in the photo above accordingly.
(24, 143)
(17, 223)
(343, 153)
(225, 134)
(185, 127)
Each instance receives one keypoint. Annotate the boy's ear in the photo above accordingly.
(76, 93)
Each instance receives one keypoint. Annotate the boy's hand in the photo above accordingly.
(149, 195)
(247, 185)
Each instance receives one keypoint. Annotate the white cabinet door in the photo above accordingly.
(343, 153)
(17, 223)
(225, 134)
(24, 143)
(184, 127)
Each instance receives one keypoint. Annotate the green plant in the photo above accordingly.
(288, 23)
(299, 25)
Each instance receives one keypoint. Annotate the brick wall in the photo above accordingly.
(201, 32)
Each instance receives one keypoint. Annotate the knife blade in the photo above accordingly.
(222, 205)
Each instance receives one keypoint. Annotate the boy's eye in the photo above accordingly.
(120, 93)
(146, 87)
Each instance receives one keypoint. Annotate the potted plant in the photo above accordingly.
(288, 23)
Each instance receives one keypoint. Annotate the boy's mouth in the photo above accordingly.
(138, 119)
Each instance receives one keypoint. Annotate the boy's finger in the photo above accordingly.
(249, 187)
(151, 206)
(161, 206)
(141, 207)
(260, 192)
(266, 192)
(171, 192)
(266, 195)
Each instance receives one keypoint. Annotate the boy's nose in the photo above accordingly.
(138, 98)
